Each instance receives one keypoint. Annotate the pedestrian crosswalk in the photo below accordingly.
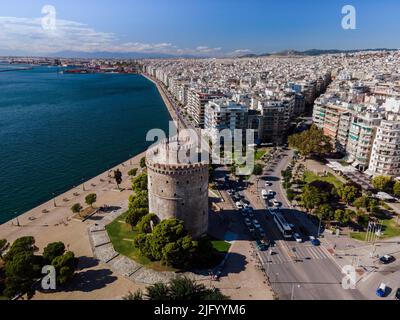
(302, 253)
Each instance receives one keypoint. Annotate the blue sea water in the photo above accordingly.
(57, 130)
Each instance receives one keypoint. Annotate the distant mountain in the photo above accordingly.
(312, 52)
(117, 55)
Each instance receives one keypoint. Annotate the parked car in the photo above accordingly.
(276, 203)
(397, 295)
(386, 259)
(271, 193)
(247, 222)
(239, 205)
(297, 237)
(381, 291)
(230, 192)
(268, 184)
(261, 246)
(256, 224)
(315, 242)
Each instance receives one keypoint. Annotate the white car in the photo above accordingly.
(264, 194)
(276, 203)
(239, 205)
(268, 184)
(297, 237)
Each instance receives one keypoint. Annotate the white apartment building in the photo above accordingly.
(223, 114)
(385, 156)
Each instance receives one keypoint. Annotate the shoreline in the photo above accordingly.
(32, 217)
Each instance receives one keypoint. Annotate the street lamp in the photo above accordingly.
(54, 200)
(292, 296)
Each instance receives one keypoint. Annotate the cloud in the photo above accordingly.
(28, 35)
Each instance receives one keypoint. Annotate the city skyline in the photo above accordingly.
(194, 29)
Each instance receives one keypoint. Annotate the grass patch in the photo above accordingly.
(311, 176)
(121, 236)
(390, 229)
(221, 246)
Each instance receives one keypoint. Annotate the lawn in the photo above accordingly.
(390, 229)
(260, 153)
(221, 246)
(121, 236)
(310, 177)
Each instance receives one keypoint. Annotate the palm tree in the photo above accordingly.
(158, 291)
(118, 177)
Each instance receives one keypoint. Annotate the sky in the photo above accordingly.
(194, 27)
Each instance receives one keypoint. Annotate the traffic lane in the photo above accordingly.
(388, 274)
(318, 280)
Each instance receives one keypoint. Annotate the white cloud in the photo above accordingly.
(27, 35)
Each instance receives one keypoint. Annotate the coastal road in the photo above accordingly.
(297, 271)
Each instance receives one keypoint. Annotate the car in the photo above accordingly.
(381, 291)
(276, 203)
(261, 246)
(297, 237)
(315, 242)
(268, 184)
(397, 295)
(245, 205)
(291, 225)
(386, 259)
(244, 214)
(256, 224)
(271, 193)
(230, 192)
(239, 205)
(262, 233)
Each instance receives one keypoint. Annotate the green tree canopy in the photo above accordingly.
(52, 251)
(76, 208)
(140, 183)
(65, 267)
(90, 199)
(135, 215)
(132, 172)
(143, 162)
(325, 212)
(312, 141)
(396, 188)
(349, 193)
(383, 183)
(258, 169)
(144, 224)
(179, 289)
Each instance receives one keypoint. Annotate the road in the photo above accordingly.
(297, 271)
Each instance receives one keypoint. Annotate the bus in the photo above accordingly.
(282, 225)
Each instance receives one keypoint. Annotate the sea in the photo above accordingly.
(59, 130)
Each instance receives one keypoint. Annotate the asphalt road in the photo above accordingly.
(298, 271)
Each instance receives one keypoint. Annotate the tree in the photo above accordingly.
(136, 296)
(179, 253)
(258, 169)
(118, 177)
(339, 214)
(132, 172)
(140, 183)
(158, 291)
(312, 196)
(91, 199)
(21, 271)
(144, 224)
(396, 188)
(312, 141)
(65, 267)
(179, 289)
(348, 193)
(52, 251)
(143, 162)
(76, 208)
(21, 268)
(361, 202)
(21, 245)
(290, 194)
(135, 215)
(325, 212)
(139, 200)
(383, 183)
